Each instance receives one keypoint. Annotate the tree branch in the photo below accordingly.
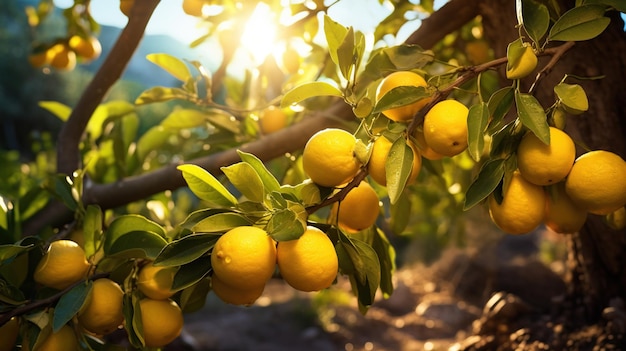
(68, 159)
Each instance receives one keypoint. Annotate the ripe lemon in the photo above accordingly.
(308, 263)
(234, 296)
(86, 48)
(445, 127)
(328, 157)
(562, 215)
(156, 282)
(543, 164)
(524, 65)
(102, 312)
(193, 7)
(38, 59)
(62, 265)
(358, 210)
(162, 321)
(426, 151)
(61, 57)
(63, 340)
(272, 119)
(378, 160)
(402, 78)
(244, 257)
(597, 182)
(9, 334)
(522, 208)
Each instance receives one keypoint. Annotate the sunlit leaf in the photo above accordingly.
(137, 244)
(532, 115)
(309, 90)
(177, 68)
(284, 225)
(125, 224)
(400, 96)
(408, 56)
(270, 183)
(243, 177)
(580, 23)
(206, 187)
(92, 228)
(345, 54)
(572, 97)
(477, 120)
(161, 94)
(61, 111)
(398, 168)
(220, 222)
(185, 249)
(485, 183)
(69, 304)
(335, 34)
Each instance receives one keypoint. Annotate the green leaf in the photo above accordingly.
(9, 251)
(193, 298)
(184, 118)
(572, 97)
(284, 225)
(367, 272)
(69, 304)
(191, 273)
(580, 23)
(62, 187)
(387, 258)
(485, 183)
(618, 5)
(400, 96)
(152, 140)
(171, 65)
(398, 168)
(309, 90)
(400, 214)
(533, 116)
(137, 244)
(535, 18)
(92, 228)
(477, 120)
(270, 183)
(130, 223)
(134, 325)
(499, 105)
(61, 111)
(335, 34)
(186, 249)
(407, 56)
(206, 187)
(10, 294)
(345, 54)
(243, 177)
(161, 94)
(220, 222)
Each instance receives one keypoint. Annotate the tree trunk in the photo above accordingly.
(597, 255)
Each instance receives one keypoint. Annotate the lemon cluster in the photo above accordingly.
(553, 187)
(245, 258)
(64, 55)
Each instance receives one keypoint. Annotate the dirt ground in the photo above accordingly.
(499, 297)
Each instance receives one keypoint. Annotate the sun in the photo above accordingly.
(259, 34)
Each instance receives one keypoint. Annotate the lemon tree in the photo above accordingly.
(194, 198)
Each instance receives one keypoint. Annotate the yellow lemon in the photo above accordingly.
(378, 160)
(193, 7)
(445, 127)
(402, 78)
(526, 63)
(426, 151)
(272, 119)
(308, 263)
(162, 321)
(234, 296)
(244, 257)
(9, 333)
(38, 59)
(87, 48)
(61, 57)
(543, 164)
(156, 282)
(102, 312)
(63, 340)
(522, 208)
(358, 210)
(62, 265)
(562, 215)
(597, 182)
(328, 157)
(617, 219)
(126, 6)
